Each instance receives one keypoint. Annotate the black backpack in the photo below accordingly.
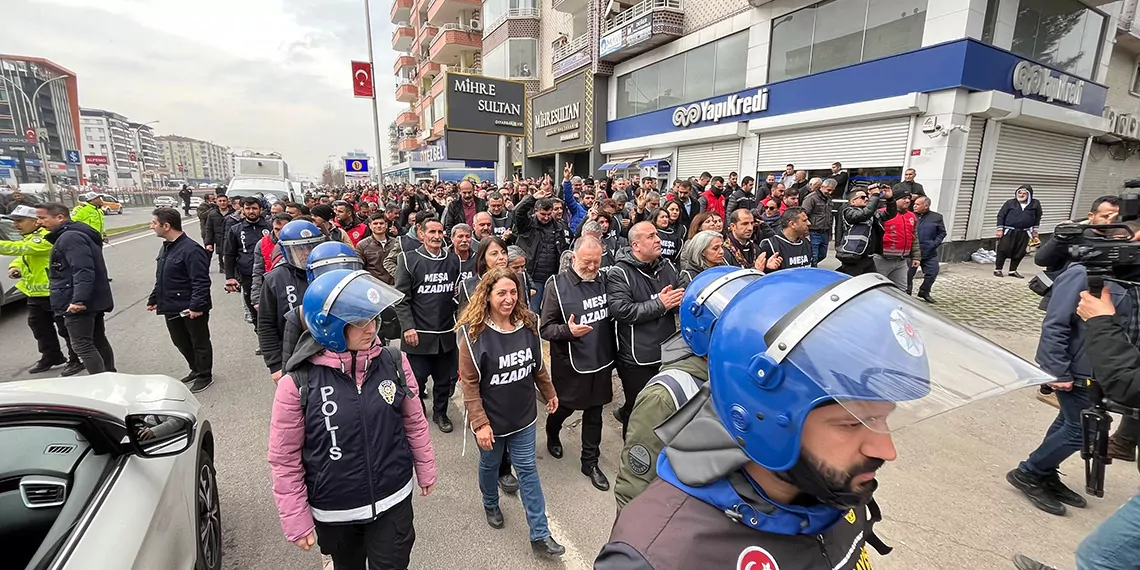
(300, 376)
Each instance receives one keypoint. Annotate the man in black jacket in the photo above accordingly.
(214, 232)
(931, 232)
(542, 236)
(742, 197)
(185, 193)
(643, 296)
(80, 291)
(242, 251)
(690, 205)
(462, 209)
(181, 295)
(863, 228)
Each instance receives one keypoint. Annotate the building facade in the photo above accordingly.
(39, 94)
(1114, 157)
(109, 152)
(195, 160)
(148, 152)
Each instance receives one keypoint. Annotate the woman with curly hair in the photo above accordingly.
(706, 221)
(500, 364)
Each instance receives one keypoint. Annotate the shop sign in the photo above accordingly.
(710, 111)
(95, 159)
(435, 152)
(562, 118)
(1033, 80)
(480, 104)
(571, 62)
(628, 35)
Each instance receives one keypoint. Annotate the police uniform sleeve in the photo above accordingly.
(231, 251)
(268, 337)
(620, 556)
(404, 285)
(1115, 361)
(639, 456)
(30, 246)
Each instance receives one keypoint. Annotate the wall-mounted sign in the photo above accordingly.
(480, 104)
(628, 35)
(356, 165)
(571, 62)
(1033, 80)
(562, 118)
(95, 159)
(471, 146)
(732, 106)
(434, 152)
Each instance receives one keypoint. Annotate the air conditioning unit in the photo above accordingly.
(475, 25)
(1127, 126)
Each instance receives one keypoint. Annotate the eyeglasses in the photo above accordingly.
(769, 207)
(859, 197)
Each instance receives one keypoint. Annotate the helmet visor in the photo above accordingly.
(296, 252)
(360, 298)
(893, 363)
(334, 263)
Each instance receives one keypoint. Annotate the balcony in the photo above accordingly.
(407, 61)
(426, 34)
(453, 41)
(407, 142)
(402, 37)
(570, 6)
(640, 28)
(429, 70)
(441, 12)
(408, 118)
(401, 10)
(571, 55)
(406, 91)
(513, 14)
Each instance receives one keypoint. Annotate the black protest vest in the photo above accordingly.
(463, 291)
(506, 364)
(586, 300)
(670, 243)
(467, 268)
(500, 225)
(433, 289)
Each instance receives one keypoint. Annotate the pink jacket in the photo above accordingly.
(287, 437)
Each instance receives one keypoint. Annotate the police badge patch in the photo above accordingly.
(639, 460)
(388, 391)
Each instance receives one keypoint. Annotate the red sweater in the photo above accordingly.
(899, 234)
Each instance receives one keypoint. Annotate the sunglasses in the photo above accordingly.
(859, 197)
(769, 207)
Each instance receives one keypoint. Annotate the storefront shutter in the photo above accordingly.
(969, 176)
(717, 159)
(1049, 162)
(855, 145)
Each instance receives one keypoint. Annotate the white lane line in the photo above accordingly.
(572, 559)
(122, 241)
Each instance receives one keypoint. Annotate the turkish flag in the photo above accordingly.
(362, 79)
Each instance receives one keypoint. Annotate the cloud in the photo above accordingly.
(261, 74)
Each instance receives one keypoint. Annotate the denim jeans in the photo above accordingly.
(520, 446)
(1115, 544)
(819, 241)
(536, 300)
(1064, 436)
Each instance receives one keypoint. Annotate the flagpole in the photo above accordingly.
(375, 111)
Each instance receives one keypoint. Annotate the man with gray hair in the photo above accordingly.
(462, 247)
(576, 321)
(817, 204)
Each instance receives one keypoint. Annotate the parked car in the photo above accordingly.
(164, 202)
(8, 292)
(195, 201)
(88, 460)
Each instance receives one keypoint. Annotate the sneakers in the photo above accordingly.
(249, 318)
(1117, 449)
(1064, 494)
(73, 367)
(998, 273)
(509, 483)
(201, 383)
(494, 517)
(1034, 488)
(547, 547)
(1015, 275)
(45, 364)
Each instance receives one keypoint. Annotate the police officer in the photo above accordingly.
(426, 276)
(33, 255)
(90, 212)
(283, 288)
(773, 462)
(241, 252)
(576, 321)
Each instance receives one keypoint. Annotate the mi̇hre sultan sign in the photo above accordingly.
(478, 104)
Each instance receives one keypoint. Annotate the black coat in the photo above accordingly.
(453, 213)
(214, 230)
(78, 273)
(1115, 360)
(576, 391)
(1012, 215)
(182, 278)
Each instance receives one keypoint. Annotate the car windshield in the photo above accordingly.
(273, 190)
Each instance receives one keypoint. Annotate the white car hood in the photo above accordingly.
(110, 392)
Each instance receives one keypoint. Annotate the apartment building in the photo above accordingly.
(147, 150)
(108, 149)
(36, 92)
(195, 160)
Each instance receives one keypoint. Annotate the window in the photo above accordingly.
(1064, 34)
(1135, 89)
(713, 69)
(837, 33)
(516, 58)
(439, 107)
(495, 10)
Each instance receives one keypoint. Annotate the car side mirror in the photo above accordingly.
(160, 434)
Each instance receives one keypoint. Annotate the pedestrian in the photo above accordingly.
(349, 223)
(817, 204)
(214, 234)
(740, 249)
(931, 232)
(690, 204)
(185, 193)
(284, 289)
(501, 365)
(713, 198)
(770, 214)
(80, 291)
(461, 247)
(908, 185)
(426, 276)
(501, 218)
(643, 293)
(268, 255)
(703, 252)
(203, 213)
(539, 234)
(90, 211)
(325, 217)
(181, 295)
(33, 257)
(346, 432)
(743, 197)
(242, 251)
(375, 248)
(862, 221)
(20, 199)
(790, 247)
(842, 180)
(462, 210)
(576, 322)
(901, 249)
(1017, 221)
(710, 221)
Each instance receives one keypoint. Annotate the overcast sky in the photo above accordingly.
(260, 74)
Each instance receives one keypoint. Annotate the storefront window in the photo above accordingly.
(522, 57)
(713, 69)
(837, 33)
(1064, 34)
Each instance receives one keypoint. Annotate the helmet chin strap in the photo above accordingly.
(807, 478)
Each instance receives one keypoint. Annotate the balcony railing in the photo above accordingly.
(453, 28)
(399, 26)
(458, 69)
(511, 14)
(570, 47)
(640, 9)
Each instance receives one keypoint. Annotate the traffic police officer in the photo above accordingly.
(772, 463)
(33, 255)
(283, 288)
(90, 212)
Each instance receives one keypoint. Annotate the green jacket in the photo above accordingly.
(90, 215)
(33, 255)
(653, 406)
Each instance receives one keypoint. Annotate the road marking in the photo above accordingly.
(122, 241)
(572, 559)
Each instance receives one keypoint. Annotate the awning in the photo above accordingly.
(621, 163)
(657, 162)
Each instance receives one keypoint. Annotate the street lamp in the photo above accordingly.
(139, 157)
(36, 120)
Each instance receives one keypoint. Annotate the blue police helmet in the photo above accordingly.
(705, 299)
(297, 239)
(799, 338)
(342, 298)
(330, 256)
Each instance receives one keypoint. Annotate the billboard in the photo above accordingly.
(478, 104)
(562, 118)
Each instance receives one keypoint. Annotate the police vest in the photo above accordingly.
(594, 350)
(500, 225)
(856, 240)
(433, 289)
(506, 364)
(356, 455)
(670, 242)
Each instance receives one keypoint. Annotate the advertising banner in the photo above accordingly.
(478, 104)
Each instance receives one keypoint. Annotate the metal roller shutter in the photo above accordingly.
(969, 176)
(867, 145)
(1049, 162)
(717, 159)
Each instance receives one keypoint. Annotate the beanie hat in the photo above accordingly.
(324, 212)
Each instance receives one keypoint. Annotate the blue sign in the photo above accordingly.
(961, 64)
(5, 172)
(356, 165)
(434, 152)
(8, 161)
(72, 157)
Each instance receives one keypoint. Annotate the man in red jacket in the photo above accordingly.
(900, 244)
(713, 198)
(347, 220)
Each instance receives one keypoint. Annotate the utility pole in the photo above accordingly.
(375, 111)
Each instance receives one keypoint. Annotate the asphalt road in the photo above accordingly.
(945, 500)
